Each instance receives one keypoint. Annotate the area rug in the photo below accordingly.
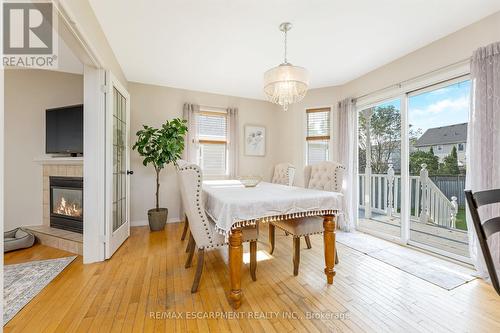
(440, 272)
(22, 282)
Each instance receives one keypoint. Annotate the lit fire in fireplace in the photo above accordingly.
(68, 209)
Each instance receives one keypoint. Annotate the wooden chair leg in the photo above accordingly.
(336, 257)
(308, 242)
(191, 247)
(199, 270)
(253, 259)
(184, 231)
(188, 246)
(271, 238)
(296, 255)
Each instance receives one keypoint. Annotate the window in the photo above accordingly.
(212, 143)
(318, 135)
(460, 147)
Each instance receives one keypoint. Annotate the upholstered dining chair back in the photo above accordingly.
(284, 173)
(486, 229)
(325, 176)
(190, 181)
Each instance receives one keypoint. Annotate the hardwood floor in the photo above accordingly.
(145, 288)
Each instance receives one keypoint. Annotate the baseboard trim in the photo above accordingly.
(140, 223)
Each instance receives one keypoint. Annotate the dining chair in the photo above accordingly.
(284, 173)
(325, 176)
(486, 229)
(203, 235)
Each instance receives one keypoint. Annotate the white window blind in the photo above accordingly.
(212, 126)
(318, 135)
(212, 143)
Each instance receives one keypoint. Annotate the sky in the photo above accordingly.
(445, 106)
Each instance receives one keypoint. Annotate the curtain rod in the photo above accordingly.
(398, 85)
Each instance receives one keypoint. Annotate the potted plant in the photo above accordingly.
(160, 147)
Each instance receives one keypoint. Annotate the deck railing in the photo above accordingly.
(427, 203)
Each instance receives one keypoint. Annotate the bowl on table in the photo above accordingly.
(250, 181)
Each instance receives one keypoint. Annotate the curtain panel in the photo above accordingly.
(191, 139)
(483, 144)
(233, 142)
(347, 136)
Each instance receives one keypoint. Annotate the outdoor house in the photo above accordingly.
(443, 139)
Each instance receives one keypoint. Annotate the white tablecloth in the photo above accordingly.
(230, 204)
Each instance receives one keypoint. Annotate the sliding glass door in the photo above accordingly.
(379, 161)
(438, 117)
(412, 166)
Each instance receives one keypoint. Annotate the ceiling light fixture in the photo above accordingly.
(286, 84)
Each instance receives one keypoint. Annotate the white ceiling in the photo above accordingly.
(224, 46)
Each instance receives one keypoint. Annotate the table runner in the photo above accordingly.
(230, 204)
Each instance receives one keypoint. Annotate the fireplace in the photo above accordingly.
(66, 203)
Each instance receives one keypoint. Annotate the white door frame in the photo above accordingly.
(94, 140)
(94, 101)
(94, 163)
(114, 239)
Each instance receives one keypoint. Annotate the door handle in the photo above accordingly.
(130, 172)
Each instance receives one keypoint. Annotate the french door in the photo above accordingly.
(117, 226)
(412, 166)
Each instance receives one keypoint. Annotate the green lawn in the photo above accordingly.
(461, 224)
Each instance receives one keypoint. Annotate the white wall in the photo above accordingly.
(441, 53)
(293, 128)
(28, 93)
(152, 105)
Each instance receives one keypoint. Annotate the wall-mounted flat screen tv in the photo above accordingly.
(64, 130)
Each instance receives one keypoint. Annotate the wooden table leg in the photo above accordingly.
(271, 238)
(235, 263)
(329, 244)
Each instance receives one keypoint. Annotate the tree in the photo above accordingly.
(450, 164)
(385, 134)
(413, 135)
(419, 157)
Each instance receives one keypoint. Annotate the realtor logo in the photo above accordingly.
(29, 34)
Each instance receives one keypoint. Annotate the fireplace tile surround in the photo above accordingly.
(46, 235)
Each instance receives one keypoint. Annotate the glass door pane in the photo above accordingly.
(119, 160)
(437, 159)
(380, 169)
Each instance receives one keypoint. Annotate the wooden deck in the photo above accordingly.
(449, 240)
(145, 282)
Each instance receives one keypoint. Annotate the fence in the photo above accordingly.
(451, 186)
(428, 204)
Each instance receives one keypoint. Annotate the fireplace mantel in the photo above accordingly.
(47, 160)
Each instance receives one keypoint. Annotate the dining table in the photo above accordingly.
(232, 206)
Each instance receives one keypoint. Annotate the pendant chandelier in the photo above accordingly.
(286, 84)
